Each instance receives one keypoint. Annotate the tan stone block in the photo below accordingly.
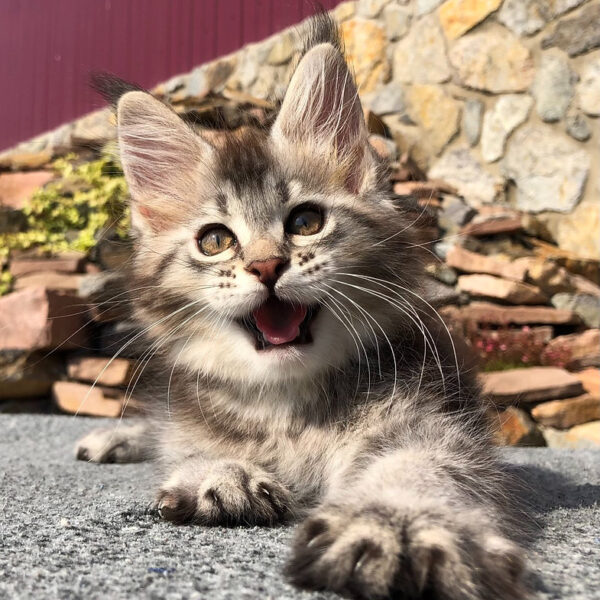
(49, 280)
(493, 60)
(100, 369)
(590, 379)
(494, 314)
(472, 262)
(533, 384)
(562, 414)
(493, 226)
(17, 188)
(458, 16)
(366, 51)
(579, 349)
(82, 399)
(37, 318)
(489, 286)
(436, 114)
(25, 375)
(580, 436)
(420, 57)
(515, 428)
(68, 262)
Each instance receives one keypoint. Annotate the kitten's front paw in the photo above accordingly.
(120, 444)
(381, 553)
(224, 493)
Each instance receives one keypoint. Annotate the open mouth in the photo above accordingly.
(279, 323)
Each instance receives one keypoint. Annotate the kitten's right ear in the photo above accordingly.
(161, 159)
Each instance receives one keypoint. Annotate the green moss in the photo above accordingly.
(5, 282)
(70, 213)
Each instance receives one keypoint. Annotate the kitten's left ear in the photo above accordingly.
(321, 117)
(161, 157)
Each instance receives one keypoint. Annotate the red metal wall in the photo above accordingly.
(49, 47)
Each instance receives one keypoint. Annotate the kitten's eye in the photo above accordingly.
(215, 240)
(307, 219)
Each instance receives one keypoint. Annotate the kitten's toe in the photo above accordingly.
(176, 505)
(121, 444)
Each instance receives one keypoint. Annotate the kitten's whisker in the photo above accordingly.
(437, 315)
(152, 351)
(352, 336)
(364, 313)
(393, 393)
(385, 284)
(415, 319)
(128, 343)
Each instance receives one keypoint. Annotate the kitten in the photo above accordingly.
(303, 375)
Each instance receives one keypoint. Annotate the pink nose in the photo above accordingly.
(268, 271)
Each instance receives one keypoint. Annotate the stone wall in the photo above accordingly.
(498, 98)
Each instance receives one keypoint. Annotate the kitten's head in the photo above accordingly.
(266, 256)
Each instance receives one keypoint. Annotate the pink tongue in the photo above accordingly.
(279, 321)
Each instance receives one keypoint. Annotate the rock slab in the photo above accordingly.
(577, 35)
(420, 57)
(494, 314)
(562, 414)
(458, 16)
(506, 115)
(460, 168)
(515, 428)
(489, 286)
(549, 171)
(82, 399)
(492, 61)
(101, 370)
(37, 319)
(580, 436)
(534, 384)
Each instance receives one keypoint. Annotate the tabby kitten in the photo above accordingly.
(303, 375)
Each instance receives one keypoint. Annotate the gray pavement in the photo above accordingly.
(70, 529)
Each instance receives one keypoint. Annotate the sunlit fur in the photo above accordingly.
(374, 433)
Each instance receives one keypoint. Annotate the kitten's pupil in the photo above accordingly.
(305, 220)
(215, 240)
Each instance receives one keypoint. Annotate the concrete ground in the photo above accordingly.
(70, 529)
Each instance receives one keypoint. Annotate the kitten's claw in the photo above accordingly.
(223, 493)
(376, 552)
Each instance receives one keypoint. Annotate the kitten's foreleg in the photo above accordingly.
(408, 527)
(223, 492)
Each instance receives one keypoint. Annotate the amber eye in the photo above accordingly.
(307, 219)
(215, 240)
